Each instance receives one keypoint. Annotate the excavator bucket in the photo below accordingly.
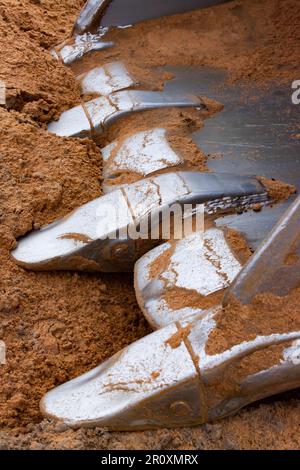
(178, 223)
(142, 387)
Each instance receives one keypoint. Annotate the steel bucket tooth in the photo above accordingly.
(107, 79)
(70, 52)
(143, 386)
(104, 234)
(275, 266)
(140, 387)
(140, 154)
(93, 116)
(181, 278)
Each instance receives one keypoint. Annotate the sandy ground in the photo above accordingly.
(58, 325)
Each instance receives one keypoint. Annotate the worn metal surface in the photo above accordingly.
(107, 79)
(103, 111)
(81, 46)
(201, 263)
(100, 235)
(140, 387)
(142, 153)
(143, 386)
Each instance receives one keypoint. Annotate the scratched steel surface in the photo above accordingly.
(254, 134)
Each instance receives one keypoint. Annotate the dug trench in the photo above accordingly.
(59, 325)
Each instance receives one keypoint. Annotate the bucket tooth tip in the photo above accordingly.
(138, 388)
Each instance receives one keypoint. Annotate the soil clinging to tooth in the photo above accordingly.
(176, 340)
(277, 190)
(238, 244)
(178, 298)
(229, 383)
(266, 315)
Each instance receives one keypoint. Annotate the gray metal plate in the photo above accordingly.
(124, 12)
(254, 134)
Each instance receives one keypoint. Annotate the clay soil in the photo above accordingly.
(59, 325)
